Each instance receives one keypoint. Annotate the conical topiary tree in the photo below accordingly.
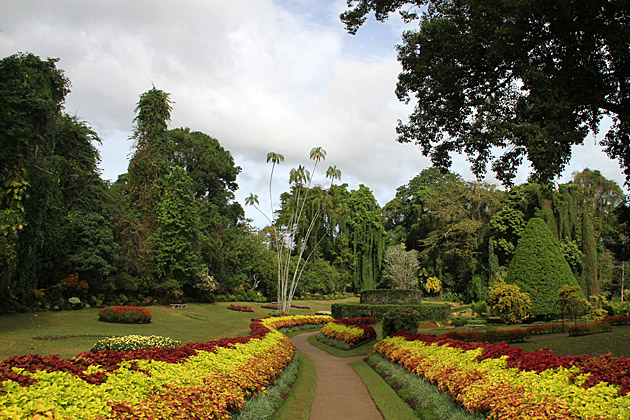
(539, 268)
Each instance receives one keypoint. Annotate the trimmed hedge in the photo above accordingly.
(427, 312)
(391, 297)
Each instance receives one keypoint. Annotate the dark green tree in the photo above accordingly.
(530, 79)
(539, 268)
(175, 243)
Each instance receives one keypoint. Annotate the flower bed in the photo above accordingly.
(135, 342)
(125, 314)
(505, 382)
(593, 328)
(197, 380)
(617, 320)
(240, 308)
(350, 331)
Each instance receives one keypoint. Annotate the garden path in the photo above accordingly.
(339, 392)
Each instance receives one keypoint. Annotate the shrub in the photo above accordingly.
(125, 315)
(539, 267)
(391, 297)
(427, 312)
(599, 314)
(509, 302)
(480, 307)
(240, 308)
(400, 319)
(135, 342)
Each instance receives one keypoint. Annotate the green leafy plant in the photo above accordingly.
(400, 319)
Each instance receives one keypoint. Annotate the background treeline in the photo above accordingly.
(170, 229)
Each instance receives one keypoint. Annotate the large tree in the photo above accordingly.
(528, 78)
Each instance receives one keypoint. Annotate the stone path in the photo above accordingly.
(339, 392)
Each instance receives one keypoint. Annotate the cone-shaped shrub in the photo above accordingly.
(539, 268)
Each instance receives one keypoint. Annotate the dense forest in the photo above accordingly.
(170, 230)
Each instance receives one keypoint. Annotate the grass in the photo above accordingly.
(298, 403)
(208, 322)
(386, 399)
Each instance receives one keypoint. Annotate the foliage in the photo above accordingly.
(401, 267)
(400, 319)
(427, 312)
(125, 314)
(480, 308)
(433, 285)
(391, 297)
(135, 342)
(493, 78)
(509, 302)
(539, 268)
(571, 302)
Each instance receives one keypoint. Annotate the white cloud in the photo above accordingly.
(258, 75)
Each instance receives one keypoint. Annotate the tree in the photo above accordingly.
(539, 268)
(509, 302)
(176, 240)
(504, 75)
(289, 240)
(433, 285)
(401, 267)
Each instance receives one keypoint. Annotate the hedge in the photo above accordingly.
(353, 310)
(391, 297)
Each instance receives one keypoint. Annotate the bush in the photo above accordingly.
(509, 302)
(427, 312)
(125, 315)
(400, 319)
(135, 342)
(594, 328)
(539, 267)
(391, 297)
(480, 308)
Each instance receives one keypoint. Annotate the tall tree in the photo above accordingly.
(529, 78)
(539, 268)
(291, 238)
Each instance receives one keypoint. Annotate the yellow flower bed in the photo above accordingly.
(209, 384)
(490, 387)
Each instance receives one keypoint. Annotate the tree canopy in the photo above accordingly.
(529, 79)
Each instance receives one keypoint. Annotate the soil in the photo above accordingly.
(339, 392)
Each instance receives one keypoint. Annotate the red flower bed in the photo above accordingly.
(240, 308)
(364, 320)
(125, 314)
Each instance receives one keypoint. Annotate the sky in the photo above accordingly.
(257, 75)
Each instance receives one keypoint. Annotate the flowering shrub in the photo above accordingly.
(125, 314)
(505, 382)
(400, 319)
(135, 342)
(240, 308)
(593, 328)
(196, 380)
(492, 336)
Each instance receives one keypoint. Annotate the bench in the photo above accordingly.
(178, 305)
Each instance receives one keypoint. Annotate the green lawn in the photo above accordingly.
(196, 323)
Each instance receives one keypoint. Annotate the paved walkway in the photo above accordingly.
(339, 392)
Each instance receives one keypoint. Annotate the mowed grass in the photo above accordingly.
(196, 323)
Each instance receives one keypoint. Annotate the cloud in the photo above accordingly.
(258, 76)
